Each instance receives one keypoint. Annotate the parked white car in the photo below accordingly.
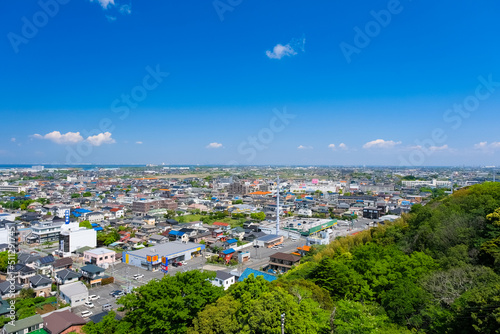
(89, 304)
(137, 276)
(86, 314)
(93, 297)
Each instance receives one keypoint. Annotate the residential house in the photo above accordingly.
(63, 322)
(62, 263)
(26, 325)
(238, 232)
(44, 265)
(200, 236)
(223, 279)
(227, 254)
(23, 273)
(189, 231)
(8, 289)
(92, 273)
(41, 284)
(282, 262)
(230, 243)
(178, 235)
(222, 226)
(67, 276)
(157, 239)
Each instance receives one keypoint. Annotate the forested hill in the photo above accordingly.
(436, 270)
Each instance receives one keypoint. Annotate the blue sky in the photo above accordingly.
(359, 83)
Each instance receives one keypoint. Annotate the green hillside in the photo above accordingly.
(436, 270)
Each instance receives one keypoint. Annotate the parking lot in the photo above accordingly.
(105, 298)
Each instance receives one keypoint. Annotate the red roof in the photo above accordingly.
(114, 209)
(220, 224)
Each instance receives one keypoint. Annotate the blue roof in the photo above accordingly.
(82, 210)
(256, 273)
(179, 233)
(98, 228)
(232, 241)
(228, 251)
(94, 225)
(76, 214)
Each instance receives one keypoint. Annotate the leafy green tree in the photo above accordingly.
(85, 224)
(169, 305)
(5, 259)
(477, 310)
(108, 325)
(76, 195)
(355, 317)
(87, 194)
(258, 216)
(341, 280)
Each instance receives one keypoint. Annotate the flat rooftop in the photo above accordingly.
(99, 251)
(167, 249)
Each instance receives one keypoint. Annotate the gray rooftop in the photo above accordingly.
(74, 289)
(99, 251)
(167, 248)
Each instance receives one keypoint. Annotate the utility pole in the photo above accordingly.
(283, 323)
(278, 207)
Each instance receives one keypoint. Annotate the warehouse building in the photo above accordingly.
(150, 258)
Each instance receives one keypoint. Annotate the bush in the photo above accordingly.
(107, 280)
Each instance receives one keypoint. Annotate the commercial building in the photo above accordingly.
(101, 257)
(44, 231)
(268, 240)
(150, 258)
(141, 208)
(4, 187)
(73, 237)
(75, 294)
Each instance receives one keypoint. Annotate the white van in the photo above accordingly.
(107, 307)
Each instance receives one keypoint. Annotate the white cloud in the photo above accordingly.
(332, 146)
(125, 9)
(101, 138)
(139, 142)
(487, 147)
(12, 139)
(291, 49)
(214, 145)
(59, 138)
(439, 148)
(380, 143)
(105, 3)
(343, 146)
(303, 147)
